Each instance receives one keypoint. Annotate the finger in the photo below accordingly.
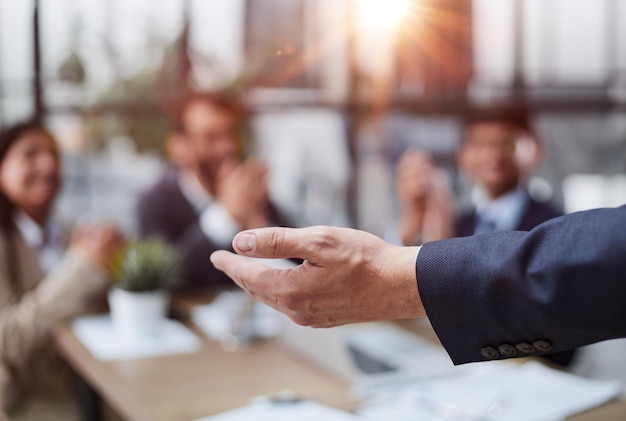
(253, 183)
(305, 243)
(256, 179)
(258, 194)
(227, 168)
(414, 169)
(78, 233)
(256, 165)
(115, 240)
(249, 275)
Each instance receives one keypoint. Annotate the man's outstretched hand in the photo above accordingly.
(347, 275)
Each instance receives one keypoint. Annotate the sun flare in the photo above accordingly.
(383, 13)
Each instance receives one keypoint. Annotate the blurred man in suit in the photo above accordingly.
(498, 149)
(211, 194)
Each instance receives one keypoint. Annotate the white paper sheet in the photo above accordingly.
(269, 411)
(524, 392)
(234, 313)
(99, 337)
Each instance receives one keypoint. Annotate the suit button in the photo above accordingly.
(507, 350)
(542, 346)
(489, 353)
(525, 348)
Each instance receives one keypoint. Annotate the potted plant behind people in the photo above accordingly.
(144, 274)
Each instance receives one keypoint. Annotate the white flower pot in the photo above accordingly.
(137, 315)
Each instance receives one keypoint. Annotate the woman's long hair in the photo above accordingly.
(7, 229)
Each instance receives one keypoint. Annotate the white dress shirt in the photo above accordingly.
(215, 220)
(504, 212)
(48, 241)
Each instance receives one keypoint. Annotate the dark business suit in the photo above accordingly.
(535, 214)
(164, 211)
(509, 294)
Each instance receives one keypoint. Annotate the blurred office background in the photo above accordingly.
(335, 91)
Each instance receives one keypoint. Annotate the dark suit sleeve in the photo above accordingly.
(560, 286)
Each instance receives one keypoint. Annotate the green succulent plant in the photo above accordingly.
(147, 266)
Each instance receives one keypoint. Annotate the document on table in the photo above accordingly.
(283, 411)
(97, 335)
(523, 392)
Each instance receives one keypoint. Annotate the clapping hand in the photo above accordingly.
(242, 189)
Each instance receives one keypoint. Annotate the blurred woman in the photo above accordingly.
(40, 282)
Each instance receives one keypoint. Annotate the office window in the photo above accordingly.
(564, 42)
(434, 49)
(16, 60)
(279, 47)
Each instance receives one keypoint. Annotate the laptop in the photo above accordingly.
(370, 354)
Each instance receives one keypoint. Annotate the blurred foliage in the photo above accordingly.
(140, 117)
(144, 101)
(72, 69)
(147, 266)
(142, 106)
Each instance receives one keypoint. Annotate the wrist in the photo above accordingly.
(406, 284)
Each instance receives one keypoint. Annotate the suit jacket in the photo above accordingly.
(164, 211)
(29, 311)
(508, 294)
(535, 213)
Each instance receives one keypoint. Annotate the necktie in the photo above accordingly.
(485, 224)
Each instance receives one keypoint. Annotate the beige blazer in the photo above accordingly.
(27, 316)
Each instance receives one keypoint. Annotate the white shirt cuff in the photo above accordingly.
(417, 253)
(218, 225)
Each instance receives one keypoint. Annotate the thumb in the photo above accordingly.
(277, 242)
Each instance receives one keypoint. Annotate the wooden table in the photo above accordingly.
(190, 386)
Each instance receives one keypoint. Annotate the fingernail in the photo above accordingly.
(214, 260)
(245, 242)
